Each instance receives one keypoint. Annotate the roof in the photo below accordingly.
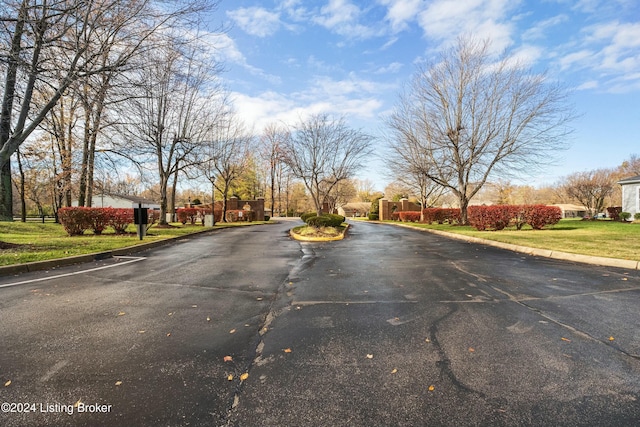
(357, 205)
(632, 180)
(133, 199)
(569, 207)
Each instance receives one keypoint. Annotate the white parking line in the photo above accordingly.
(42, 279)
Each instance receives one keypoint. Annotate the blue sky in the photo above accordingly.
(289, 58)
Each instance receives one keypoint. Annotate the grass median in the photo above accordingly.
(596, 238)
(27, 242)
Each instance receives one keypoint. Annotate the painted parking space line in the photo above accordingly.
(42, 279)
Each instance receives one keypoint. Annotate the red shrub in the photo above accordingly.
(491, 217)
(409, 216)
(99, 219)
(395, 216)
(537, 216)
(75, 220)
(614, 212)
(188, 214)
(120, 218)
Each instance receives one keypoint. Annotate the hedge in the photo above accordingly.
(326, 220)
(306, 216)
(191, 215)
(441, 215)
(77, 220)
(498, 217)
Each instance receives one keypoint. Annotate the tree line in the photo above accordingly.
(110, 86)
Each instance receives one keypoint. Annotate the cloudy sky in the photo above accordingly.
(287, 58)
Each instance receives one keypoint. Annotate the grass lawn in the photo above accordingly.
(597, 238)
(26, 242)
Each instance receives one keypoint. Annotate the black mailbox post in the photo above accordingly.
(141, 219)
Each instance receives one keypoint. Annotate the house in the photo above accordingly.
(108, 200)
(572, 211)
(355, 209)
(631, 195)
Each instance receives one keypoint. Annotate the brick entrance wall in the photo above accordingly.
(387, 207)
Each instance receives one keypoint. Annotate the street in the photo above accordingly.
(388, 327)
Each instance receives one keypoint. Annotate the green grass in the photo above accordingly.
(38, 242)
(597, 238)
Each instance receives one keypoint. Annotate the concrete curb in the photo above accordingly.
(60, 262)
(547, 253)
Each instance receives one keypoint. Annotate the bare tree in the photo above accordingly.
(52, 44)
(226, 154)
(590, 188)
(271, 146)
(168, 119)
(322, 152)
(469, 116)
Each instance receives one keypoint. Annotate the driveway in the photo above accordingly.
(390, 326)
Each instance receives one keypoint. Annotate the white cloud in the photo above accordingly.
(445, 20)
(342, 17)
(256, 21)
(540, 29)
(226, 51)
(392, 68)
(353, 97)
(400, 12)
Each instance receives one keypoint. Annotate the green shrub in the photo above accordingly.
(326, 220)
(636, 216)
(625, 216)
(318, 221)
(336, 220)
(374, 216)
(306, 216)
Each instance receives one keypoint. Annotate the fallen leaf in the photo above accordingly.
(427, 340)
(171, 314)
(259, 299)
(194, 306)
(624, 278)
(244, 376)
(432, 387)
(75, 405)
(471, 349)
(141, 332)
(208, 319)
(394, 371)
(122, 313)
(118, 383)
(287, 350)
(227, 358)
(7, 384)
(611, 338)
(169, 334)
(566, 339)
(369, 356)
(233, 331)
(230, 377)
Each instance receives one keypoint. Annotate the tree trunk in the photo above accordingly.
(6, 192)
(23, 202)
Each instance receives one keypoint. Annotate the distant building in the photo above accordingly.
(631, 195)
(355, 209)
(572, 211)
(121, 201)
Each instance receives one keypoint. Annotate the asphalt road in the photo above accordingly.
(389, 327)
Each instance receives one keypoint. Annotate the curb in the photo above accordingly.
(546, 253)
(26, 267)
